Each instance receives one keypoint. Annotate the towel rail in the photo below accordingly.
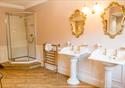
(51, 57)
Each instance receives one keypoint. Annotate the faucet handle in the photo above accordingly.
(83, 45)
(69, 43)
(121, 48)
(99, 45)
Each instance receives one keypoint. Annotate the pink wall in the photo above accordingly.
(52, 19)
(53, 24)
(3, 25)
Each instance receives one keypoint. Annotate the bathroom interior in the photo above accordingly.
(83, 40)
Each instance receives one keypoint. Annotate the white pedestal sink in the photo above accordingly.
(73, 72)
(109, 62)
(74, 59)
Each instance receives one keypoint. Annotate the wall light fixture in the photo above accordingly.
(96, 8)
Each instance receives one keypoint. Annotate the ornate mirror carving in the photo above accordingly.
(113, 19)
(77, 21)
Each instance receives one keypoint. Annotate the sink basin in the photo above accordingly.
(69, 52)
(109, 62)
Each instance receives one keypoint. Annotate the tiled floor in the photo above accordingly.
(37, 78)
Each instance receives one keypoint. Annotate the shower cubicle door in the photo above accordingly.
(21, 37)
(31, 40)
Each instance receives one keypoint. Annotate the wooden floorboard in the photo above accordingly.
(37, 78)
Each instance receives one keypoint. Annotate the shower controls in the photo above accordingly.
(31, 38)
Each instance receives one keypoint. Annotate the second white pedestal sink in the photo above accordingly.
(109, 62)
(75, 55)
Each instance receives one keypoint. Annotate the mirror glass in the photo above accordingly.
(77, 21)
(113, 19)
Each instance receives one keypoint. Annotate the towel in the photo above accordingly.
(48, 47)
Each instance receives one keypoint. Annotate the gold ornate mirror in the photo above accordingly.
(77, 21)
(113, 19)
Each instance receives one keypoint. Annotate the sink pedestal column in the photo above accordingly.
(108, 77)
(73, 80)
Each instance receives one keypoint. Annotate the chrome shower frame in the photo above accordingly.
(8, 36)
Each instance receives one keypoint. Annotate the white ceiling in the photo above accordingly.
(20, 4)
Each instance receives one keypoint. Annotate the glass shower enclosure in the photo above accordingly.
(21, 40)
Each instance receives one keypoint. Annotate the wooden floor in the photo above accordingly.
(37, 78)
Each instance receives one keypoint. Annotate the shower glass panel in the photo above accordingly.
(21, 39)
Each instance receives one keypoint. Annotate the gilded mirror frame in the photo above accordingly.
(77, 22)
(105, 23)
